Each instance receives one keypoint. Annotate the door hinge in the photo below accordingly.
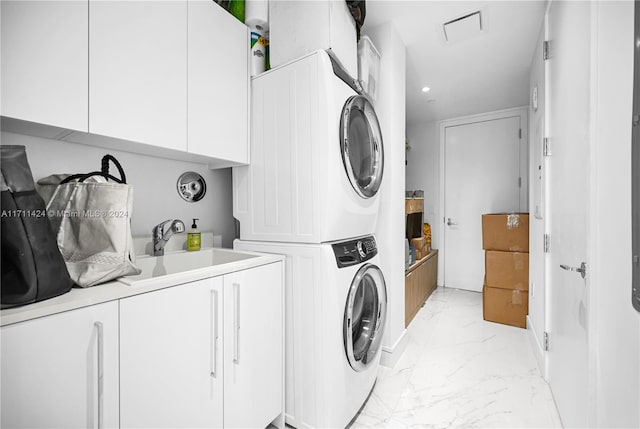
(546, 149)
(519, 133)
(545, 50)
(519, 182)
(545, 341)
(546, 243)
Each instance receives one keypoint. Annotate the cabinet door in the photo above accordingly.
(218, 102)
(61, 371)
(45, 62)
(253, 328)
(138, 71)
(409, 299)
(171, 357)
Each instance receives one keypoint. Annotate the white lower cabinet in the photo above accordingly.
(204, 354)
(253, 350)
(171, 357)
(61, 371)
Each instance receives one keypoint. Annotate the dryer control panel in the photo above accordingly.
(356, 251)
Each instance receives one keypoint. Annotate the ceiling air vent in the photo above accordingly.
(464, 27)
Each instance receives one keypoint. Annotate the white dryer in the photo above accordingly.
(335, 314)
(316, 160)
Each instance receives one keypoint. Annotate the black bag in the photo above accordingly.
(32, 266)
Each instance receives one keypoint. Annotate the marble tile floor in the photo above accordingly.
(459, 371)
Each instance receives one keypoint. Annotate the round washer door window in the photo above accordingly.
(364, 317)
(361, 146)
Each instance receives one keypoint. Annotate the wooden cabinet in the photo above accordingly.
(253, 347)
(138, 71)
(45, 62)
(205, 354)
(420, 281)
(218, 92)
(62, 370)
(171, 367)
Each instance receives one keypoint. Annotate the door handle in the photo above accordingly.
(214, 337)
(236, 323)
(582, 269)
(449, 223)
(100, 329)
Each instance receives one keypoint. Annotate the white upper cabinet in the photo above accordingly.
(61, 371)
(138, 71)
(164, 78)
(218, 107)
(45, 62)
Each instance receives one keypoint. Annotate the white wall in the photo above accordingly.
(390, 108)
(423, 172)
(616, 340)
(154, 181)
(536, 318)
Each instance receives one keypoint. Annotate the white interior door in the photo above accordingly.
(568, 131)
(482, 175)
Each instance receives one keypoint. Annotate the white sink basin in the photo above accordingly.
(157, 267)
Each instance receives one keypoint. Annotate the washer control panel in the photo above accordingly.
(356, 251)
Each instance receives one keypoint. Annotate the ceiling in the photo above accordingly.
(481, 73)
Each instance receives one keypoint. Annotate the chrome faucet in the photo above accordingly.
(160, 236)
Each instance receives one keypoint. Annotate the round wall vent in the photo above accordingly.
(191, 186)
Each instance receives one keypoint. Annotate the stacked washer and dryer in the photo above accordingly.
(311, 194)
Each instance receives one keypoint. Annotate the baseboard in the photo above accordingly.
(536, 346)
(391, 355)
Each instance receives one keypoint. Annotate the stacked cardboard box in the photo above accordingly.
(420, 244)
(505, 296)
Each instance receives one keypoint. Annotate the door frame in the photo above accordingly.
(523, 113)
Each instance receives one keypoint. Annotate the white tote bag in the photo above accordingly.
(91, 214)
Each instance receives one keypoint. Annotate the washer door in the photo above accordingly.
(364, 317)
(361, 145)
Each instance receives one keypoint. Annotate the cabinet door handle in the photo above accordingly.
(214, 339)
(100, 329)
(236, 322)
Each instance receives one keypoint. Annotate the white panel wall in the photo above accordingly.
(616, 346)
(154, 181)
(390, 232)
(423, 172)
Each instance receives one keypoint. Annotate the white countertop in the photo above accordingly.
(84, 297)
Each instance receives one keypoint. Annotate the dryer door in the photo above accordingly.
(364, 317)
(361, 146)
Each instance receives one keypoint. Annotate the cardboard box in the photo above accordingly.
(506, 270)
(508, 232)
(506, 306)
(413, 205)
(419, 243)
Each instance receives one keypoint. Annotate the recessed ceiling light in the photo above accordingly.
(425, 89)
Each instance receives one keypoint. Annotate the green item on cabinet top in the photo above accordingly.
(236, 7)
(194, 237)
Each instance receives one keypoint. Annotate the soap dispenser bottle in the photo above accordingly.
(193, 237)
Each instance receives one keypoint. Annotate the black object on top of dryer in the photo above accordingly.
(344, 76)
(354, 252)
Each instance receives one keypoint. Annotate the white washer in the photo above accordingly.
(335, 313)
(316, 157)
